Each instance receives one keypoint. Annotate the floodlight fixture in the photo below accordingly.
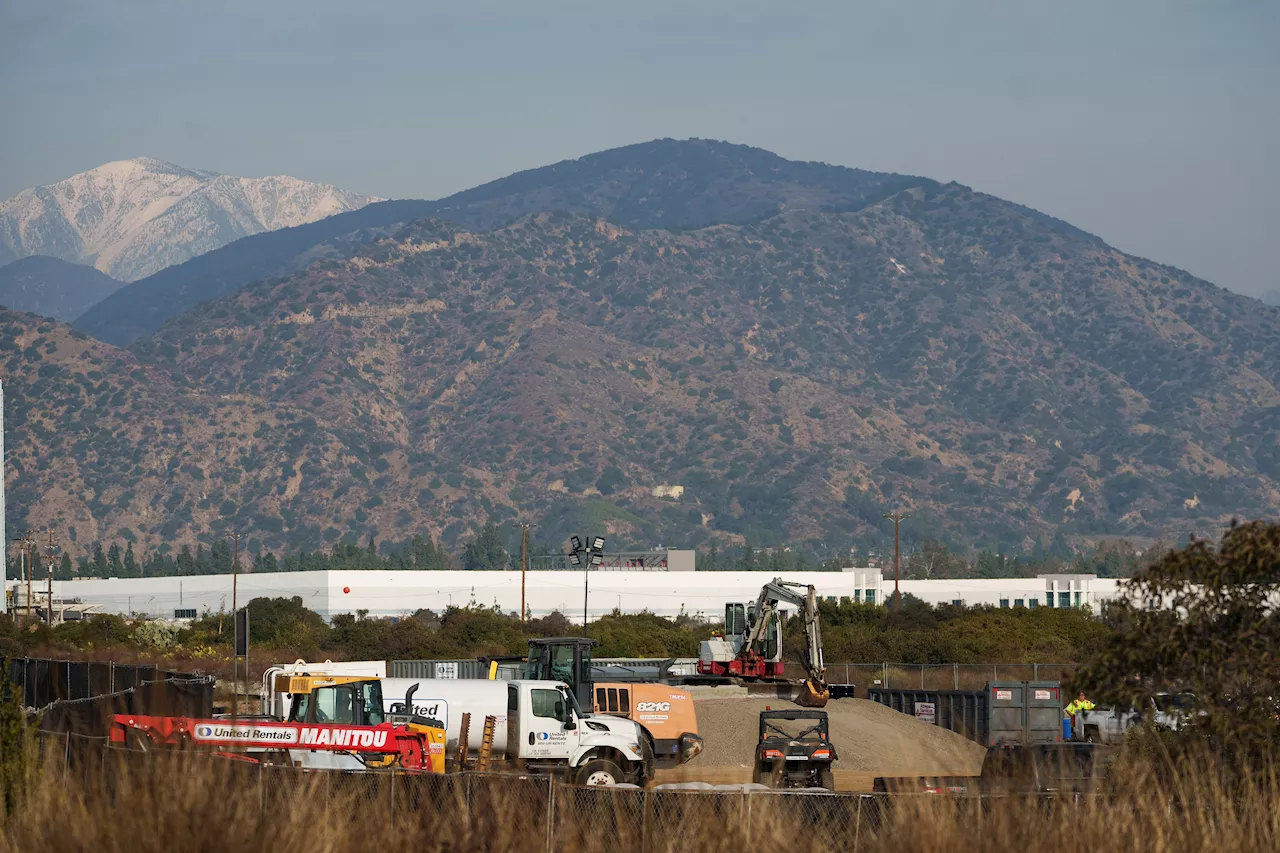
(575, 543)
(597, 544)
(575, 560)
(597, 559)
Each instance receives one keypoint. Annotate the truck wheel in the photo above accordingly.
(1091, 734)
(599, 771)
(826, 778)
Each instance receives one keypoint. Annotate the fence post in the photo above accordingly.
(995, 672)
(857, 823)
(884, 674)
(955, 676)
(1035, 672)
(644, 820)
(551, 813)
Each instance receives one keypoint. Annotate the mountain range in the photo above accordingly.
(131, 218)
(53, 287)
(663, 184)
(678, 342)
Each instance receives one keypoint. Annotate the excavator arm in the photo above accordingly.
(804, 597)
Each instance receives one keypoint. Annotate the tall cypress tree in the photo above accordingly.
(114, 566)
(100, 567)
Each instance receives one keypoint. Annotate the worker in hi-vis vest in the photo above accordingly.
(1080, 704)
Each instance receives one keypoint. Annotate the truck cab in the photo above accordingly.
(665, 713)
(548, 731)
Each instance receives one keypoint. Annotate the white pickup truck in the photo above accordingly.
(1108, 725)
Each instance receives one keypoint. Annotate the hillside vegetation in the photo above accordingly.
(1001, 374)
(665, 183)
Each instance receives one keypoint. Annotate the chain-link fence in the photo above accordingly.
(551, 815)
(941, 676)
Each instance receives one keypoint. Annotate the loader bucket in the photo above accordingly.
(813, 694)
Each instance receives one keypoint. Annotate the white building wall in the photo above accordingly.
(385, 593)
(972, 592)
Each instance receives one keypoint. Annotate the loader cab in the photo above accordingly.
(354, 701)
(566, 659)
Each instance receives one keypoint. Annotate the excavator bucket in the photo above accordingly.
(813, 694)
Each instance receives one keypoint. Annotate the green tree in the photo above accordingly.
(130, 562)
(17, 746)
(63, 571)
(486, 551)
(1201, 619)
(99, 565)
(612, 480)
(934, 560)
(220, 557)
(424, 553)
(115, 567)
(286, 623)
(186, 563)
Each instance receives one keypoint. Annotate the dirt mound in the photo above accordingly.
(868, 737)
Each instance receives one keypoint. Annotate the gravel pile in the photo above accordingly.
(867, 736)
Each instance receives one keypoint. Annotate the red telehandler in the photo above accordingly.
(313, 745)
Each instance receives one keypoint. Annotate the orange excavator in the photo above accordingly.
(313, 745)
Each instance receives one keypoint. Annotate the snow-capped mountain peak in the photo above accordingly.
(131, 218)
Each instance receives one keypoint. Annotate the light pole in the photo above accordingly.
(586, 557)
(235, 626)
(898, 518)
(524, 565)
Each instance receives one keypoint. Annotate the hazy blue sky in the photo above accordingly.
(1153, 124)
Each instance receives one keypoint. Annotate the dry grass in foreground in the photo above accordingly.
(193, 803)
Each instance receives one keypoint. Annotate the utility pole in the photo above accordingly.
(48, 557)
(29, 546)
(898, 518)
(524, 565)
(235, 634)
(22, 573)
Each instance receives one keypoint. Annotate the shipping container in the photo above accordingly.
(1005, 712)
(462, 669)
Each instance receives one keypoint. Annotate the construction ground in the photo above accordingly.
(870, 740)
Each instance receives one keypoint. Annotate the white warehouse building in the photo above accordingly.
(665, 593)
